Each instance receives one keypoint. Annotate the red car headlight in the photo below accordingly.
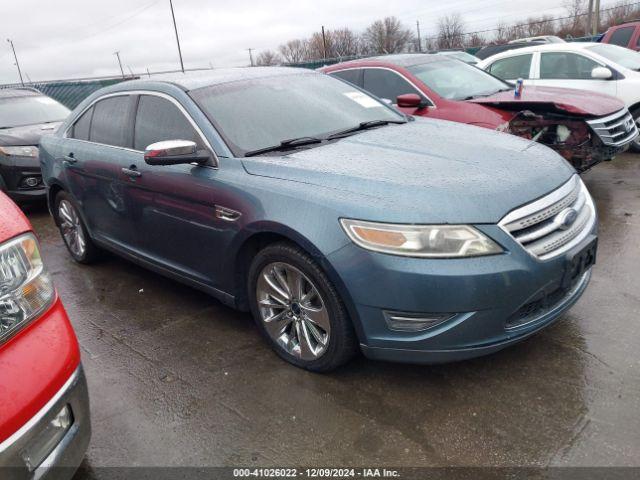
(26, 289)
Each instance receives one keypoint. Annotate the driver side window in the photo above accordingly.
(158, 119)
(565, 66)
(387, 84)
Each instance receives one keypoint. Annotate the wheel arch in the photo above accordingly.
(262, 235)
(53, 189)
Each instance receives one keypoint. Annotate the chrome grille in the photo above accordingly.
(555, 223)
(615, 130)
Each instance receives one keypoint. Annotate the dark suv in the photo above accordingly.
(25, 116)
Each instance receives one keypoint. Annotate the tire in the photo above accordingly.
(68, 220)
(320, 318)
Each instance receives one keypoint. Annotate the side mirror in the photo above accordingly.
(601, 73)
(411, 100)
(173, 152)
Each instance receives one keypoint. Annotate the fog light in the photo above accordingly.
(31, 182)
(414, 322)
(44, 443)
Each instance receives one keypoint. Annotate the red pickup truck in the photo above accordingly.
(625, 35)
(44, 406)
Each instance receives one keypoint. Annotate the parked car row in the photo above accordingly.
(584, 127)
(341, 222)
(596, 67)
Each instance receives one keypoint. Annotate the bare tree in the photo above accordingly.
(450, 31)
(267, 58)
(475, 40)
(345, 42)
(387, 36)
(574, 25)
(295, 51)
(621, 12)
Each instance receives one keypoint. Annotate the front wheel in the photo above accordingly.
(298, 310)
(635, 145)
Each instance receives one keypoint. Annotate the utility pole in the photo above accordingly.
(17, 64)
(324, 44)
(148, 72)
(589, 25)
(419, 40)
(596, 23)
(117, 54)
(175, 27)
(250, 50)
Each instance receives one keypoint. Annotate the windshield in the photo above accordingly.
(19, 111)
(457, 80)
(259, 113)
(620, 55)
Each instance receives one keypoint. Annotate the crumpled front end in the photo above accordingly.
(582, 142)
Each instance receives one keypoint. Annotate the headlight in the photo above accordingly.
(26, 289)
(432, 241)
(26, 151)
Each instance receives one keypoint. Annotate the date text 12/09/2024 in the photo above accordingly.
(315, 473)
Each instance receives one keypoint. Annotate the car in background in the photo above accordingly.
(490, 50)
(25, 116)
(44, 414)
(436, 86)
(626, 35)
(341, 223)
(460, 55)
(541, 39)
(598, 67)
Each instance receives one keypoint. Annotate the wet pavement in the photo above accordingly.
(176, 378)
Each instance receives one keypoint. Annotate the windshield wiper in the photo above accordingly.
(285, 144)
(364, 126)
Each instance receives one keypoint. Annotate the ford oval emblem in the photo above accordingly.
(566, 218)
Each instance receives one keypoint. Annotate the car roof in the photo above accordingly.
(400, 59)
(19, 92)
(569, 47)
(206, 78)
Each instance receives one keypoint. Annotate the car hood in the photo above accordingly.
(27, 135)
(565, 100)
(424, 171)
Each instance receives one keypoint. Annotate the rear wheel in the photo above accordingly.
(298, 310)
(73, 230)
(635, 145)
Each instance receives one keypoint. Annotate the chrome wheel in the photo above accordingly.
(292, 311)
(71, 228)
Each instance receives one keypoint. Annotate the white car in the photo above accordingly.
(600, 67)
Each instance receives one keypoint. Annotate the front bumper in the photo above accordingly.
(65, 457)
(14, 171)
(496, 301)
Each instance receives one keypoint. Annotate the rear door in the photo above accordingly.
(98, 149)
(513, 68)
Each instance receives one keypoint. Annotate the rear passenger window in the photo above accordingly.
(159, 119)
(622, 36)
(351, 76)
(81, 127)
(110, 123)
(512, 68)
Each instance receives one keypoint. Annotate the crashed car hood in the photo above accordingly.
(27, 135)
(425, 171)
(564, 100)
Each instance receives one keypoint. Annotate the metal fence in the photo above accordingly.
(69, 93)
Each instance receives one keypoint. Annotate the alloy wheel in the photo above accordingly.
(71, 228)
(293, 311)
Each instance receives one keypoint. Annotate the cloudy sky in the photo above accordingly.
(77, 38)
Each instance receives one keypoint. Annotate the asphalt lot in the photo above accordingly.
(176, 378)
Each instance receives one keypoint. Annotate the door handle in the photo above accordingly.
(70, 158)
(131, 172)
